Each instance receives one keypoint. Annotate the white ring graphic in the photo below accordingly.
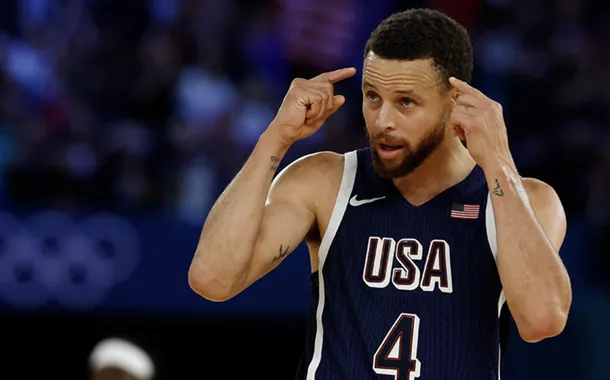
(51, 257)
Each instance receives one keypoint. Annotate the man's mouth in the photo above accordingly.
(389, 151)
(390, 147)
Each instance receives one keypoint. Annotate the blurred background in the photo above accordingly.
(122, 121)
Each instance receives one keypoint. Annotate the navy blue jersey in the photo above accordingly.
(402, 291)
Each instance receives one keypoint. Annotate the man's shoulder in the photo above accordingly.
(321, 158)
(312, 177)
(534, 185)
(315, 165)
(542, 196)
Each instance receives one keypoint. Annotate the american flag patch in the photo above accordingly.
(464, 211)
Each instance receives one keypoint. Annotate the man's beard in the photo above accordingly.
(414, 157)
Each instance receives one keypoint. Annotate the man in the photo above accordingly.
(118, 359)
(417, 241)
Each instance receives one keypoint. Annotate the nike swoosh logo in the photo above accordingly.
(355, 202)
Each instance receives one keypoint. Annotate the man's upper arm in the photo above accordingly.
(548, 210)
(290, 213)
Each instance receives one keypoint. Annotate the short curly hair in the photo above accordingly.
(425, 34)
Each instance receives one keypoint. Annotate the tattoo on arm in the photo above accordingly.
(274, 163)
(497, 190)
(281, 254)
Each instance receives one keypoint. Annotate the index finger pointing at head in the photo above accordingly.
(464, 87)
(337, 75)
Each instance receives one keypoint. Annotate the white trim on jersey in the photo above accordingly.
(490, 225)
(347, 184)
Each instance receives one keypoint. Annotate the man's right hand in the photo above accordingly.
(307, 105)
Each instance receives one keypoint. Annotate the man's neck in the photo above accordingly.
(448, 165)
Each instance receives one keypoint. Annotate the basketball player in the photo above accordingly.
(417, 241)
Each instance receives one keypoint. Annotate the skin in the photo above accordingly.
(111, 373)
(258, 220)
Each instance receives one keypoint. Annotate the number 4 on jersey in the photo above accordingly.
(397, 354)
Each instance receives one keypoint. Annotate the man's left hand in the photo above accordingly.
(479, 120)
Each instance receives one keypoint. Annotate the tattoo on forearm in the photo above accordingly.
(497, 190)
(282, 254)
(274, 163)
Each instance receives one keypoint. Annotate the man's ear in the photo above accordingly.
(454, 93)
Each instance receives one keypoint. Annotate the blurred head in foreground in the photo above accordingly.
(118, 359)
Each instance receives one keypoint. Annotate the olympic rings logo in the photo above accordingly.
(51, 257)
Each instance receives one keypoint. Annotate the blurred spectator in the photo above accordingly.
(118, 359)
(318, 34)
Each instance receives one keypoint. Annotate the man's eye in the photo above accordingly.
(406, 102)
